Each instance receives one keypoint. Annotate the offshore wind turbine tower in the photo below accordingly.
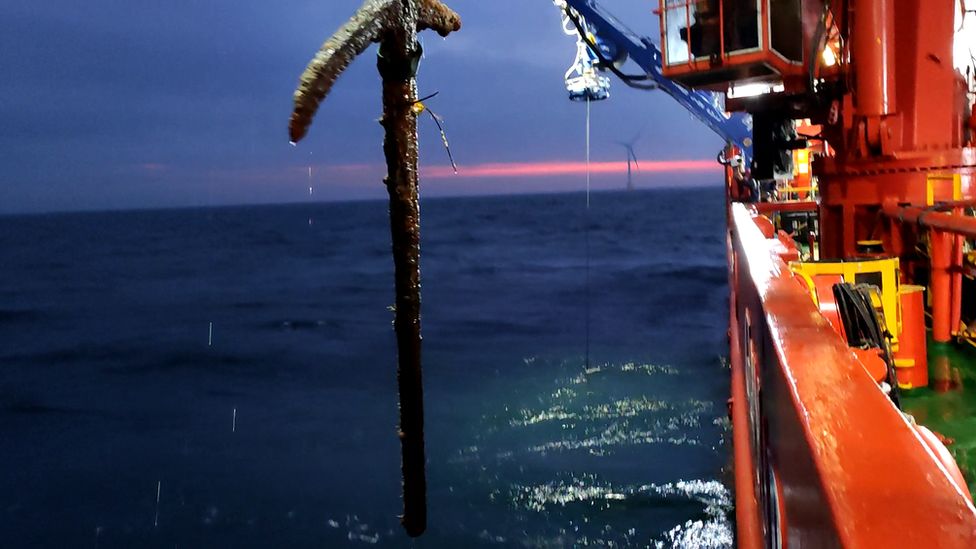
(631, 157)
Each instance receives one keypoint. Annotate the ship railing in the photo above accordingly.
(822, 456)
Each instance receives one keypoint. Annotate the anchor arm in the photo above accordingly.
(369, 24)
(434, 15)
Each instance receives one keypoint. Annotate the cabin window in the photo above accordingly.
(708, 28)
(678, 16)
(742, 23)
(786, 28)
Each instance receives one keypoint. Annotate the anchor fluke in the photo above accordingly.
(368, 25)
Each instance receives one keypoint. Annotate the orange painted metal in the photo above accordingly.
(767, 208)
(747, 512)
(785, 247)
(827, 302)
(911, 358)
(873, 51)
(972, 123)
(873, 363)
(850, 469)
(943, 379)
(765, 225)
(940, 258)
(853, 192)
(931, 95)
(939, 221)
(945, 458)
(955, 274)
(823, 457)
(902, 125)
(946, 258)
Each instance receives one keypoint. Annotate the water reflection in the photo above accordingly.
(573, 454)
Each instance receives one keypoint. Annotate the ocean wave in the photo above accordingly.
(627, 367)
(622, 408)
(714, 497)
(670, 433)
(302, 324)
(711, 500)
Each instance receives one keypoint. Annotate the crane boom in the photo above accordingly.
(708, 107)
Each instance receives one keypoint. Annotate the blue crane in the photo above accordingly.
(608, 43)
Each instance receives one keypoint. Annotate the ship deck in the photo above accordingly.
(948, 404)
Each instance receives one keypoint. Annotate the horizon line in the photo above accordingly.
(381, 198)
(561, 168)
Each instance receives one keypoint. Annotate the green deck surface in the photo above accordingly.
(948, 405)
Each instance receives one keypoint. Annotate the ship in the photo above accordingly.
(850, 176)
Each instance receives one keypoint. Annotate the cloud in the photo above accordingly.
(100, 96)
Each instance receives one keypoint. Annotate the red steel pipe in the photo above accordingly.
(947, 228)
(873, 50)
(946, 222)
(952, 204)
(955, 317)
(941, 286)
(972, 124)
(772, 207)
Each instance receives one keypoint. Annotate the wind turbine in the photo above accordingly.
(631, 156)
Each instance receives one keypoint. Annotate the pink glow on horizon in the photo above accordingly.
(154, 166)
(560, 168)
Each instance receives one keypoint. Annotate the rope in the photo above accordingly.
(586, 232)
(587, 154)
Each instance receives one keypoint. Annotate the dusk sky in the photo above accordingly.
(133, 104)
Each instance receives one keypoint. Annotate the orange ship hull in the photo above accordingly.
(822, 457)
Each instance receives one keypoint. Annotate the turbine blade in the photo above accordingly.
(639, 134)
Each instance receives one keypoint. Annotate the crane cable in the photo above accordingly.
(586, 233)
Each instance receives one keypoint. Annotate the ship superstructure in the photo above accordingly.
(851, 179)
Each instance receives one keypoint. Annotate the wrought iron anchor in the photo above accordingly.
(394, 24)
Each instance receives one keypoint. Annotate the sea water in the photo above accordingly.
(226, 377)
